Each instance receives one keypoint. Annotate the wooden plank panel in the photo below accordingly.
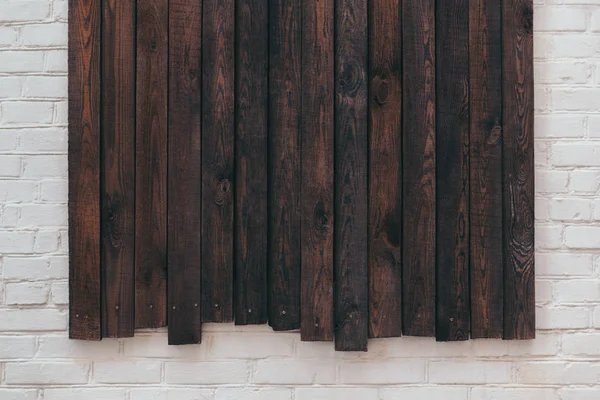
(418, 155)
(385, 170)
(485, 47)
(251, 150)
(217, 159)
(452, 233)
(351, 154)
(517, 63)
(184, 172)
(317, 170)
(151, 164)
(118, 174)
(284, 164)
(84, 169)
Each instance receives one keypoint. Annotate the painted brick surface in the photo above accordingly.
(37, 361)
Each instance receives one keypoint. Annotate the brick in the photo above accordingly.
(10, 166)
(18, 191)
(10, 86)
(23, 10)
(470, 372)
(562, 318)
(480, 393)
(27, 112)
(55, 191)
(60, 293)
(63, 347)
(582, 237)
(564, 264)
(560, 126)
(378, 372)
(32, 320)
(582, 344)
(18, 394)
(44, 35)
(42, 215)
(581, 99)
(171, 394)
(335, 394)
(127, 372)
(551, 181)
(549, 236)
(12, 347)
(584, 181)
(87, 393)
(157, 346)
(27, 293)
(428, 393)
(571, 209)
(44, 140)
(13, 242)
(254, 346)
(47, 241)
(578, 291)
(36, 268)
(21, 61)
(560, 19)
(206, 373)
(56, 61)
(558, 373)
(288, 372)
(44, 166)
(579, 394)
(49, 373)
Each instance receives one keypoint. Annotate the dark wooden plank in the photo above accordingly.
(418, 156)
(485, 48)
(317, 170)
(151, 164)
(251, 149)
(284, 164)
(84, 169)
(217, 159)
(118, 173)
(351, 163)
(452, 233)
(184, 172)
(519, 274)
(385, 169)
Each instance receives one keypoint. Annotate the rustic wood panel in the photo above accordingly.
(118, 168)
(251, 152)
(452, 274)
(351, 154)
(84, 169)
(317, 170)
(385, 170)
(518, 190)
(184, 172)
(284, 164)
(418, 178)
(151, 164)
(218, 133)
(485, 74)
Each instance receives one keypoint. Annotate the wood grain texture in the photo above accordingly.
(284, 164)
(317, 169)
(218, 134)
(385, 170)
(485, 74)
(518, 189)
(84, 169)
(418, 156)
(184, 172)
(251, 151)
(452, 233)
(351, 180)
(151, 164)
(118, 172)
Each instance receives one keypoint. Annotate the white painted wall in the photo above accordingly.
(37, 361)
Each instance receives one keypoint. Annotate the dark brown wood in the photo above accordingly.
(351, 164)
(519, 275)
(317, 170)
(84, 169)
(284, 164)
(151, 164)
(118, 167)
(385, 170)
(184, 172)
(485, 74)
(251, 151)
(452, 273)
(418, 157)
(217, 159)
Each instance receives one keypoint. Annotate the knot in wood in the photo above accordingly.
(495, 135)
(222, 192)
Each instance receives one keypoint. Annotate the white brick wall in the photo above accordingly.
(37, 361)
